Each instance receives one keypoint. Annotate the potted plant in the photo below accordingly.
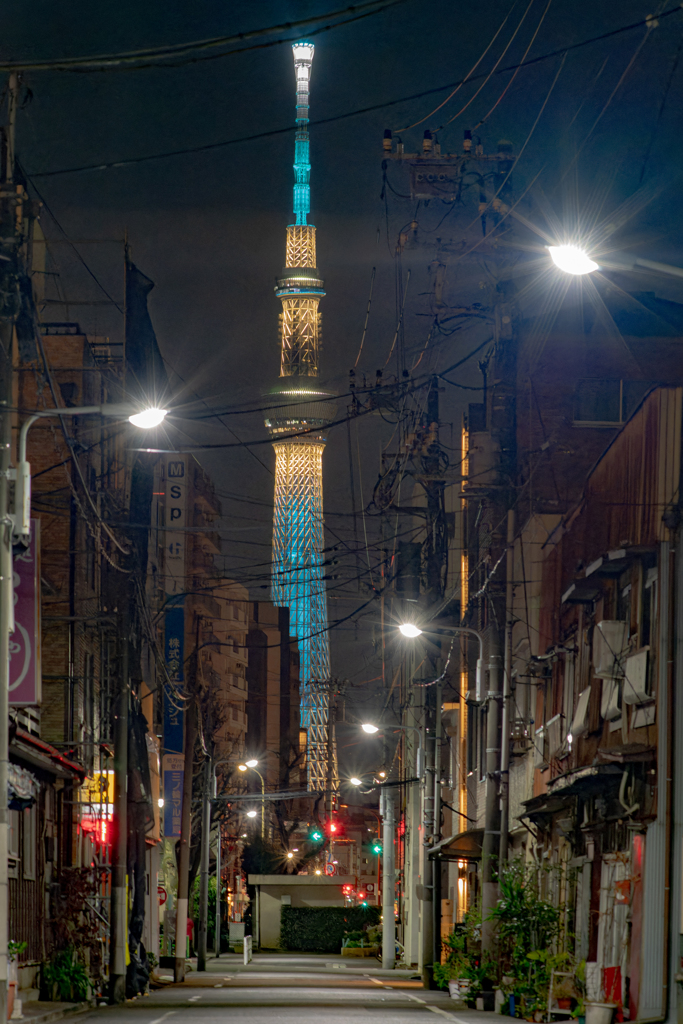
(13, 951)
(564, 991)
(452, 973)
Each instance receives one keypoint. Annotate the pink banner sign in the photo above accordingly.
(24, 643)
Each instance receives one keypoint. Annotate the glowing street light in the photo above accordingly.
(290, 855)
(252, 814)
(409, 629)
(148, 418)
(145, 419)
(369, 728)
(355, 782)
(572, 260)
(252, 763)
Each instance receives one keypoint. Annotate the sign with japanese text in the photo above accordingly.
(174, 772)
(174, 646)
(24, 644)
(175, 491)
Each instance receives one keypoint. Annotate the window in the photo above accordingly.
(29, 842)
(603, 402)
(597, 401)
(13, 837)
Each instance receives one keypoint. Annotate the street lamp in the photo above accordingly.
(371, 729)
(409, 629)
(145, 419)
(572, 259)
(251, 766)
(21, 530)
(205, 847)
(355, 782)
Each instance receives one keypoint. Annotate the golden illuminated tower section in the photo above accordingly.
(297, 422)
(300, 289)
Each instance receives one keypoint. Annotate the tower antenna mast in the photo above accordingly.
(298, 540)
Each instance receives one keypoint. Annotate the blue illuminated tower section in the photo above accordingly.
(298, 538)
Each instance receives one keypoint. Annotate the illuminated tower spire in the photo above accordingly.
(298, 539)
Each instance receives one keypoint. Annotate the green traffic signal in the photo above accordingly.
(316, 836)
(377, 847)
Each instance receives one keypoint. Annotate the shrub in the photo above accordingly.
(66, 973)
(322, 929)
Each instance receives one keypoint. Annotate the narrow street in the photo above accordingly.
(297, 986)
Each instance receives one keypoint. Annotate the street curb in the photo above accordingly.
(67, 1010)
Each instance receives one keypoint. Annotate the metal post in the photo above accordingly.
(119, 850)
(217, 943)
(8, 222)
(427, 901)
(204, 870)
(436, 832)
(388, 883)
(507, 694)
(491, 844)
(184, 854)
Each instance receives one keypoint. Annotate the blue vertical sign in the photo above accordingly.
(173, 655)
(174, 765)
(174, 720)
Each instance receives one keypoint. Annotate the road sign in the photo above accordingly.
(162, 894)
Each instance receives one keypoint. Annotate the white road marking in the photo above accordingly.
(193, 999)
(159, 1019)
(219, 985)
(436, 1009)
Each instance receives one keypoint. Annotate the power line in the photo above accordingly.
(130, 58)
(352, 113)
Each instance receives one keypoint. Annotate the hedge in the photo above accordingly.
(321, 929)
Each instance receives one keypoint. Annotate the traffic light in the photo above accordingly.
(377, 846)
(316, 835)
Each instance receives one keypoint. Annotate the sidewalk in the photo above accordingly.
(37, 1012)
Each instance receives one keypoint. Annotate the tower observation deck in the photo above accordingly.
(298, 538)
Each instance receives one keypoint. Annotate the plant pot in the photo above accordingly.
(564, 1004)
(11, 992)
(458, 987)
(600, 1013)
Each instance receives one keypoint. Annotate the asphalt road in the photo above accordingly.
(280, 988)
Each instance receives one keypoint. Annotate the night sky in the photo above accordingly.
(209, 228)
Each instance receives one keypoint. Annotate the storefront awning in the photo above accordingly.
(463, 846)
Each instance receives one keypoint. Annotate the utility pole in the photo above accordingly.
(388, 881)
(217, 943)
(204, 870)
(8, 244)
(427, 891)
(491, 844)
(184, 854)
(119, 852)
(507, 693)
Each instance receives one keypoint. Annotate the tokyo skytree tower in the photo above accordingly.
(298, 539)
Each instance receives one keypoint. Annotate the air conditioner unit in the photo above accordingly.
(579, 724)
(609, 641)
(555, 737)
(635, 678)
(539, 748)
(610, 699)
